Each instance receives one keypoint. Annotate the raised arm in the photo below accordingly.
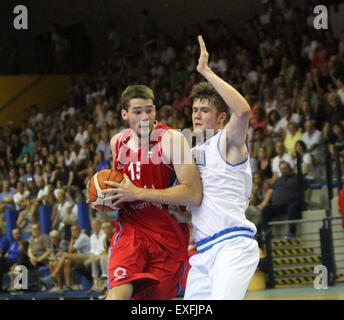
(236, 128)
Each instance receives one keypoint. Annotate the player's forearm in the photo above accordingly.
(178, 195)
(230, 95)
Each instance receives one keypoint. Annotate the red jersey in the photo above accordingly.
(146, 168)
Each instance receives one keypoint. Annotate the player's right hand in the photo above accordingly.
(181, 216)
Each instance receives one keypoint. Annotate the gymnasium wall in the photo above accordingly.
(47, 93)
(170, 15)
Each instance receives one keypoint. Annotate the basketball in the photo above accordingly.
(96, 185)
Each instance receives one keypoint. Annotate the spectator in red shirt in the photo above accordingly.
(320, 61)
(179, 101)
(259, 119)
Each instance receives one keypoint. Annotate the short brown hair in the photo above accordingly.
(136, 91)
(204, 90)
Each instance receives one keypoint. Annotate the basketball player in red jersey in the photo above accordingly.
(149, 246)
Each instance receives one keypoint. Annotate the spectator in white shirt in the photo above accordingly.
(288, 116)
(313, 140)
(81, 136)
(82, 154)
(64, 216)
(340, 91)
(42, 192)
(281, 156)
(217, 64)
(97, 248)
(21, 196)
(21, 201)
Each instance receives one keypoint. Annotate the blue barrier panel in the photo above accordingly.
(11, 222)
(83, 216)
(45, 219)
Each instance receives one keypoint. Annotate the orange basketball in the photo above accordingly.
(96, 185)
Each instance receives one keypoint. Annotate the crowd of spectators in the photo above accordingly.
(291, 75)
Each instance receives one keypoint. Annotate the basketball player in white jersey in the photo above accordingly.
(227, 252)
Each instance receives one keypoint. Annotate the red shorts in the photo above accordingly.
(136, 258)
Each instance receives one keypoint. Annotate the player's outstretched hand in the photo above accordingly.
(121, 192)
(203, 57)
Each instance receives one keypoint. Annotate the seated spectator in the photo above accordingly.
(301, 154)
(63, 217)
(78, 252)
(292, 137)
(273, 118)
(78, 196)
(82, 155)
(39, 247)
(8, 258)
(6, 200)
(42, 194)
(27, 146)
(58, 247)
(335, 110)
(286, 198)
(258, 119)
(29, 172)
(281, 98)
(268, 100)
(48, 171)
(281, 156)
(105, 115)
(14, 147)
(117, 126)
(259, 139)
(259, 189)
(282, 125)
(288, 70)
(104, 145)
(101, 162)
(313, 140)
(177, 121)
(264, 163)
(307, 113)
(179, 101)
(335, 137)
(81, 136)
(38, 172)
(13, 178)
(97, 248)
(24, 260)
(165, 115)
(70, 156)
(21, 201)
(63, 173)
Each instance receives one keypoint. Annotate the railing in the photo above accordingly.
(325, 242)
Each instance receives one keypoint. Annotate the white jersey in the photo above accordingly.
(226, 193)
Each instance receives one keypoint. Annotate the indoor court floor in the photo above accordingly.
(299, 293)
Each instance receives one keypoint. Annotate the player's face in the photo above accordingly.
(140, 115)
(205, 115)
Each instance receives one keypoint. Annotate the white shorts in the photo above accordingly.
(224, 271)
